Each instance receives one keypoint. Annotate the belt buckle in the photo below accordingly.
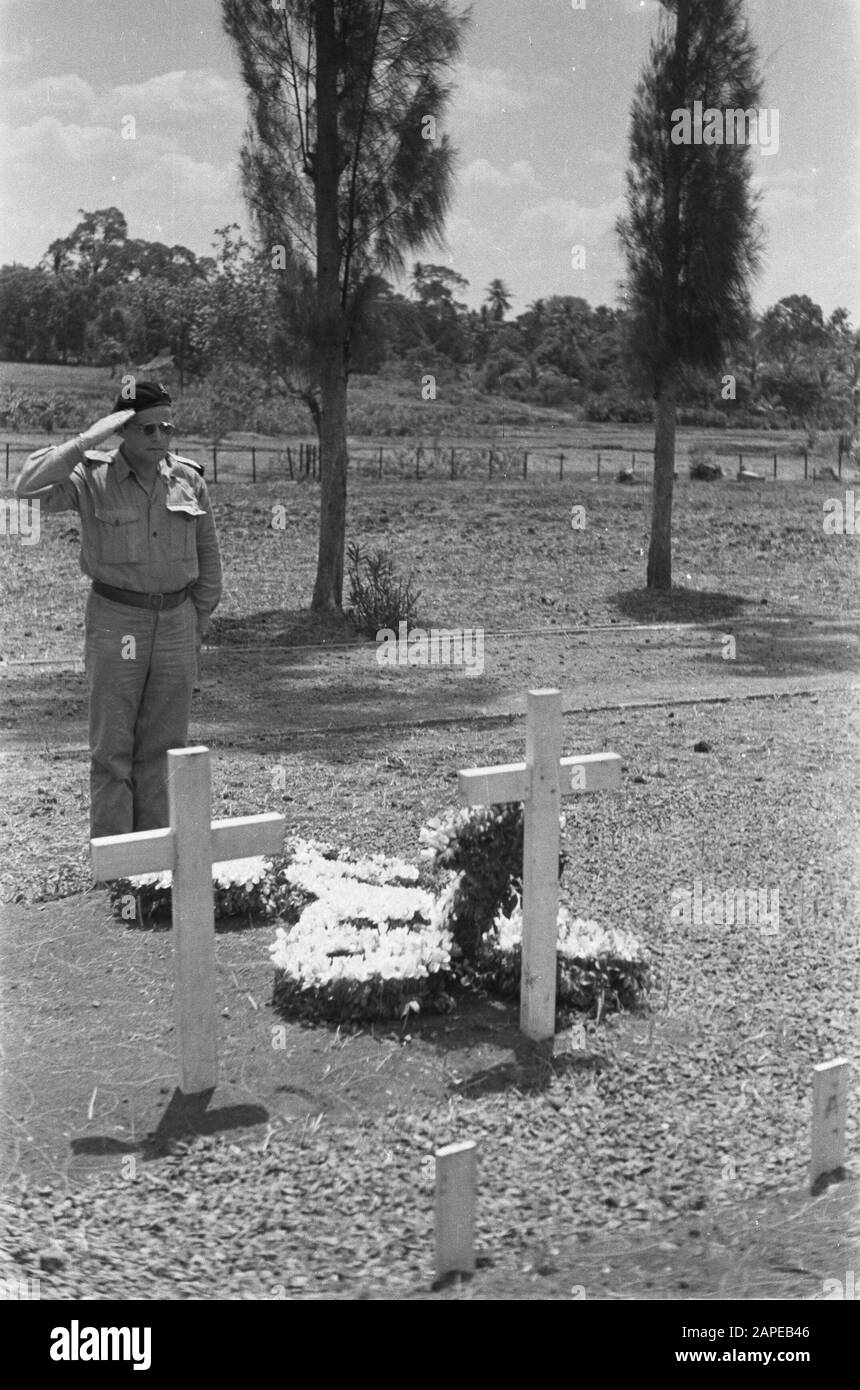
(151, 603)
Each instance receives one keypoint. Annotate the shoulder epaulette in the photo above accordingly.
(189, 463)
(93, 456)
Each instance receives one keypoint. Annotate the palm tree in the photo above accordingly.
(498, 299)
(338, 169)
(691, 232)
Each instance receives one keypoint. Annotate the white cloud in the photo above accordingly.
(39, 155)
(168, 99)
(481, 173)
(63, 148)
(643, 7)
(462, 231)
(790, 190)
(49, 171)
(606, 159)
(484, 93)
(175, 193)
(65, 96)
(11, 57)
(566, 219)
(180, 95)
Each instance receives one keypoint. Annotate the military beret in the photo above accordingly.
(142, 395)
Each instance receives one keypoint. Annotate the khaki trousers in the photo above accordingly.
(140, 665)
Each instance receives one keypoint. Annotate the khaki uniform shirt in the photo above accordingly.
(155, 542)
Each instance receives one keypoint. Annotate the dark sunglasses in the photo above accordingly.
(150, 430)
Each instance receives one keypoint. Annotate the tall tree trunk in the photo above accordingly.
(659, 574)
(328, 587)
(659, 571)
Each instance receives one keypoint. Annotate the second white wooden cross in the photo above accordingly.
(540, 782)
(188, 847)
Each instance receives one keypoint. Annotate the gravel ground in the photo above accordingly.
(676, 1115)
(672, 1125)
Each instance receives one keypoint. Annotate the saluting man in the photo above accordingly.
(148, 543)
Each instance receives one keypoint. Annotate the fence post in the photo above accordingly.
(633, 460)
(453, 469)
(7, 462)
(560, 467)
(806, 464)
(526, 463)
(214, 463)
(380, 461)
(598, 463)
(774, 465)
(740, 462)
(290, 462)
(253, 464)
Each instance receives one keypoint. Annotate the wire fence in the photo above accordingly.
(299, 461)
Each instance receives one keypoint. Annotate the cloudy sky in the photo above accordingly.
(540, 121)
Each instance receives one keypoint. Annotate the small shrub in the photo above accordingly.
(704, 418)
(377, 598)
(38, 410)
(704, 467)
(617, 405)
(483, 847)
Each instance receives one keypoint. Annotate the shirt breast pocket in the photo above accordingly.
(181, 534)
(119, 535)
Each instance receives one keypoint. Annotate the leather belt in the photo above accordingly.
(159, 602)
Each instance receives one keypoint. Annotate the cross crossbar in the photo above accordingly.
(154, 851)
(540, 783)
(124, 856)
(489, 786)
(188, 847)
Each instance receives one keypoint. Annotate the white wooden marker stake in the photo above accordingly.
(540, 866)
(455, 1209)
(188, 847)
(539, 783)
(829, 1109)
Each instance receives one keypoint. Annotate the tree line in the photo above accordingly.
(101, 297)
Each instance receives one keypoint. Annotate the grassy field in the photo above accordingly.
(91, 383)
(461, 420)
(668, 1159)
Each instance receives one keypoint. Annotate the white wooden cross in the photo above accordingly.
(188, 847)
(540, 782)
